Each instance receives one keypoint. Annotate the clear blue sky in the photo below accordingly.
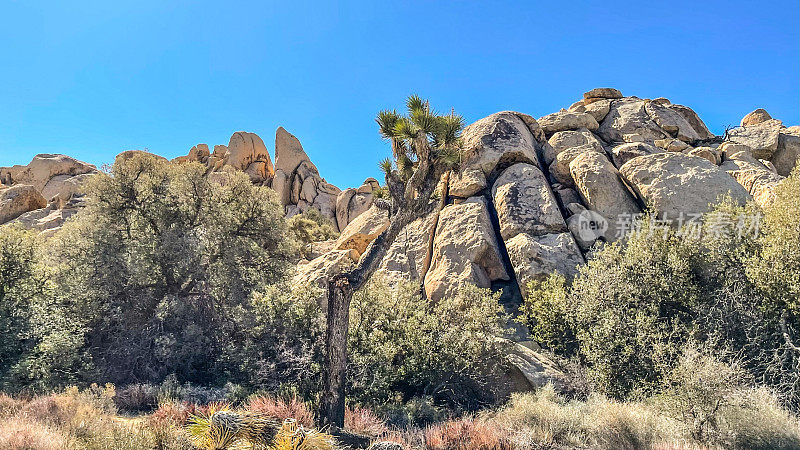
(91, 79)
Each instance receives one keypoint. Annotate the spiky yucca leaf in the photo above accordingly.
(387, 119)
(405, 129)
(294, 437)
(228, 430)
(416, 103)
(424, 120)
(386, 165)
(214, 430)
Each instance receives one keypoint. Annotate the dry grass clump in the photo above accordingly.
(364, 421)
(292, 436)
(468, 434)
(26, 434)
(282, 409)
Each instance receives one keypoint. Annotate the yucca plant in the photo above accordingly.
(426, 146)
(292, 436)
(222, 429)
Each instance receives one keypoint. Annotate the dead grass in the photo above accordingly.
(26, 434)
(282, 409)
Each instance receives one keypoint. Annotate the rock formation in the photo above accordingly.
(531, 197)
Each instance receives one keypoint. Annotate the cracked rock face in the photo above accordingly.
(673, 184)
(525, 203)
(465, 250)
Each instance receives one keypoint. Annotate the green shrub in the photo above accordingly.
(631, 309)
(162, 261)
(402, 346)
(311, 226)
(40, 343)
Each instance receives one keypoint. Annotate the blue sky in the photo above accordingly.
(91, 79)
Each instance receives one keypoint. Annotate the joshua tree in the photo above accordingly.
(425, 146)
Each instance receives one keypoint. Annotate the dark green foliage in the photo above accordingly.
(631, 310)
(39, 343)
(402, 346)
(162, 262)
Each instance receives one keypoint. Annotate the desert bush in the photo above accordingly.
(402, 345)
(39, 343)
(715, 404)
(161, 262)
(280, 349)
(311, 226)
(363, 420)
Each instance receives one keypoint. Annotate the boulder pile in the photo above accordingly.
(531, 197)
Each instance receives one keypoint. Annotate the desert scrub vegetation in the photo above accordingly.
(403, 346)
(630, 311)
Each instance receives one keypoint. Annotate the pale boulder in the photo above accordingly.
(628, 121)
(568, 139)
(359, 233)
(559, 169)
(524, 203)
(465, 250)
(19, 199)
(503, 136)
(788, 152)
(534, 258)
(672, 122)
(623, 153)
(467, 182)
(65, 186)
(567, 120)
(693, 119)
(761, 138)
(602, 93)
(405, 257)
(704, 152)
(756, 117)
(675, 185)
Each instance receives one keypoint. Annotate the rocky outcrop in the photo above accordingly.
(465, 250)
(44, 168)
(19, 199)
(674, 185)
(529, 195)
(297, 180)
(601, 189)
(525, 203)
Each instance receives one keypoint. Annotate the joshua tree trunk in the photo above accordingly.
(425, 146)
(340, 293)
